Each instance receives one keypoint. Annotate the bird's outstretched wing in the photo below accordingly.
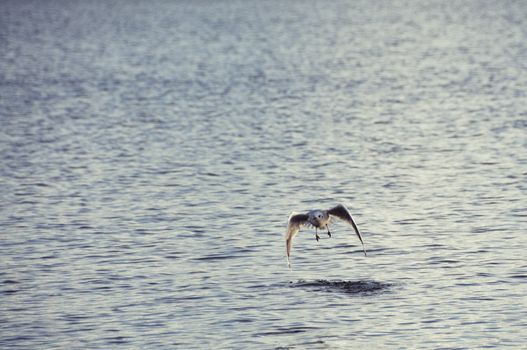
(295, 222)
(342, 213)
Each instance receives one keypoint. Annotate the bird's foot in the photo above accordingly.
(329, 234)
(317, 237)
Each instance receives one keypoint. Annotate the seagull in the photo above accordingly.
(319, 219)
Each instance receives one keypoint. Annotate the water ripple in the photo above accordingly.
(348, 287)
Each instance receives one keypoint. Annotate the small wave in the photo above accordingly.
(286, 330)
(350, 287)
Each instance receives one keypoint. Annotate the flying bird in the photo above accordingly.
(319, 219)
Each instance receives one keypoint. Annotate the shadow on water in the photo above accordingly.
(348, 287)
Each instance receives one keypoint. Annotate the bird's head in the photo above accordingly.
(316, 217)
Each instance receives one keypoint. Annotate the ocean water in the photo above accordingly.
(151, 152)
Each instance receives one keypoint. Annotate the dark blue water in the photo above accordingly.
(151, 152)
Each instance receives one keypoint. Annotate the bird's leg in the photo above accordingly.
(329, 233)
(317, 237)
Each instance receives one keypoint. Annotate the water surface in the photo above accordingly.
(152, 151)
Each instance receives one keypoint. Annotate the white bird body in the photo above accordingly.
(319, 219)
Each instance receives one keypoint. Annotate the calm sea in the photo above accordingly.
(151, 152)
